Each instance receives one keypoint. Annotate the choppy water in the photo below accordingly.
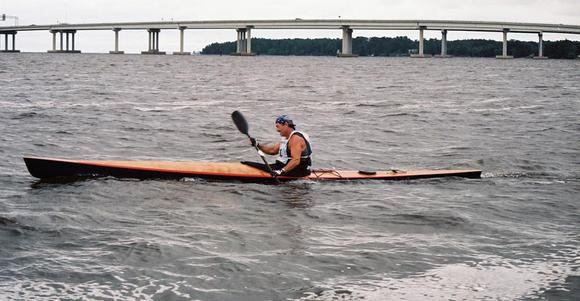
(513, 235)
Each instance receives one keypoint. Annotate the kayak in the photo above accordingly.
(47, 168)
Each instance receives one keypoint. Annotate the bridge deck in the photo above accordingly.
(317, 24)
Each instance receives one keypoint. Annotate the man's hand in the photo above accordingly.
(277, 172)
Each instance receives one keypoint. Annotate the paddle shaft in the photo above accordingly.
(263, 158)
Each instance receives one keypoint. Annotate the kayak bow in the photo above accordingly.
(46, 168)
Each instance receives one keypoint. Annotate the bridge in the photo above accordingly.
(66, 32)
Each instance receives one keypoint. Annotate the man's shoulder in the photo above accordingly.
(296, 137)
(298, 134)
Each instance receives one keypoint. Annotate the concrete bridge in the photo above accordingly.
(66, 32)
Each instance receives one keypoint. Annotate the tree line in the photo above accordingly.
(400, 46)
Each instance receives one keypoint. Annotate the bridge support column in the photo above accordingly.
(346, 43)
(53, 40)
(72, 34)
(69, 36)
(244, 42)
(116, 51)
(540, 47)
(249, 40)
(421, 53)
(181, 40)
(153, 42)
(443, 45)
(505, 46)
(421, 42)
(239, 41)
(6, 41)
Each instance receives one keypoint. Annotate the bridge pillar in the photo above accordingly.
(69, 36)
(72, 33)
(249, 40)
(421, 53)
(53, 40)
(443, 45)
(116, 51)
(505, 46)
(244, 42)
(181, 39)
(443, 42)
(346, 43)
(421, 42)
(239, 41)
(540, 47)
(153, 42)
(6, 41)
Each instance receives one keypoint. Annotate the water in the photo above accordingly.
(512, 235)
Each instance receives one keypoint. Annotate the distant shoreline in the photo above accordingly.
(399, 47)
(270, 55)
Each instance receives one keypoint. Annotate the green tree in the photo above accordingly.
(399, 46)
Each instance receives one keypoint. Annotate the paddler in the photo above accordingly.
(294, 151)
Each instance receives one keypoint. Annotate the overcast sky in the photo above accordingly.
(89, 11)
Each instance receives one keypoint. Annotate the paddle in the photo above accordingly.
(244, 128)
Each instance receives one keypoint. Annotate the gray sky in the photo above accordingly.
(89, 11)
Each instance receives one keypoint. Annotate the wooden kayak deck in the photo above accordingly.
(45, 168)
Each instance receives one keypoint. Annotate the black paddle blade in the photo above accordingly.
(240, 122)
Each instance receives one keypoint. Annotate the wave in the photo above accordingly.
(401, 114)
(463, 281)
(163, 109)
(431, 220)
(372, 105)
(26, 115)
(13, 224)
(296, 87)
(529, 175)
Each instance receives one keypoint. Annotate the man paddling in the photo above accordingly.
(294, 150)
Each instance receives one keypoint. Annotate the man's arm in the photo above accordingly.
(270, 149)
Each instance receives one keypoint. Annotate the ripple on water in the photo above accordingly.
(492, 279)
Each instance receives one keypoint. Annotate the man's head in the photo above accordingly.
(285, 125)
(285, 119)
